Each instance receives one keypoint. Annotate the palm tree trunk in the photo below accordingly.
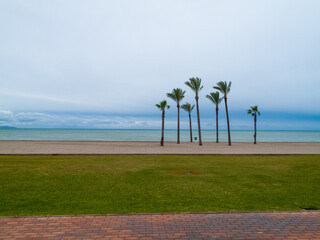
(198, 115)
(229, 136)
(190, 127)
(178, 132)
(217, 129)
(255, 128)
(162, 130)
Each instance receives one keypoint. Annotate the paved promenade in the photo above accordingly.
(263, 225)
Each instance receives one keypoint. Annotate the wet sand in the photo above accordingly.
(69, 147)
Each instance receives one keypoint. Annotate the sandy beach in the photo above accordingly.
(68, 147)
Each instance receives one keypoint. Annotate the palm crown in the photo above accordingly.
(187, 107)
(223, 87)
(176, 95)
(253, 110)
(194, 84)
(214, 97)
(163, 105)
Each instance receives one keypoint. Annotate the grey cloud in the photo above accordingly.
(6, 116)
(33, 117)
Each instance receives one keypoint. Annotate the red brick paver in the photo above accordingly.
(263, 225)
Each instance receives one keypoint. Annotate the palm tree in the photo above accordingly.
(187, 107)
(162, 106)
(254, 111)
(177, 95)
(195, 85)
(224, 88)
(215, 98)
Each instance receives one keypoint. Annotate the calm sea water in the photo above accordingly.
(153, 135)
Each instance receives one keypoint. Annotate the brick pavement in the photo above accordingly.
(255, 225)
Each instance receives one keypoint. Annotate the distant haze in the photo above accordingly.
(105, 64)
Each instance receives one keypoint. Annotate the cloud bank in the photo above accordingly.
(239, 121)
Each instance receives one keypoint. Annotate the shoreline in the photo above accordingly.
(26, 147)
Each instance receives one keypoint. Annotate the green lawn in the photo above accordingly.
(52, 185)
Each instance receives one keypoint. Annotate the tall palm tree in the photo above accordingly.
(187, 107)
(224, 88)
(195, 85)
(215, 98)
(162, 106)
(177, 95)
(254, 111)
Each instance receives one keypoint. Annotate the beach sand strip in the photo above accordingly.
(90, 147)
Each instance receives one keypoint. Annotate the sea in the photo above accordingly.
(154, 135)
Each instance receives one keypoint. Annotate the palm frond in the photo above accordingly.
(189, 84)
(214, 97)
(223, 87)
(210, 98)
(194, 84)
(253, 110)
(187, 107)
(172, 96)
(229, 87)
(217, 88)
(162, 105)
(176, 95)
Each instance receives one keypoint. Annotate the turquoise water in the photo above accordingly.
(153, 135)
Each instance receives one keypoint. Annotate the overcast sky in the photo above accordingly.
(105, 64)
